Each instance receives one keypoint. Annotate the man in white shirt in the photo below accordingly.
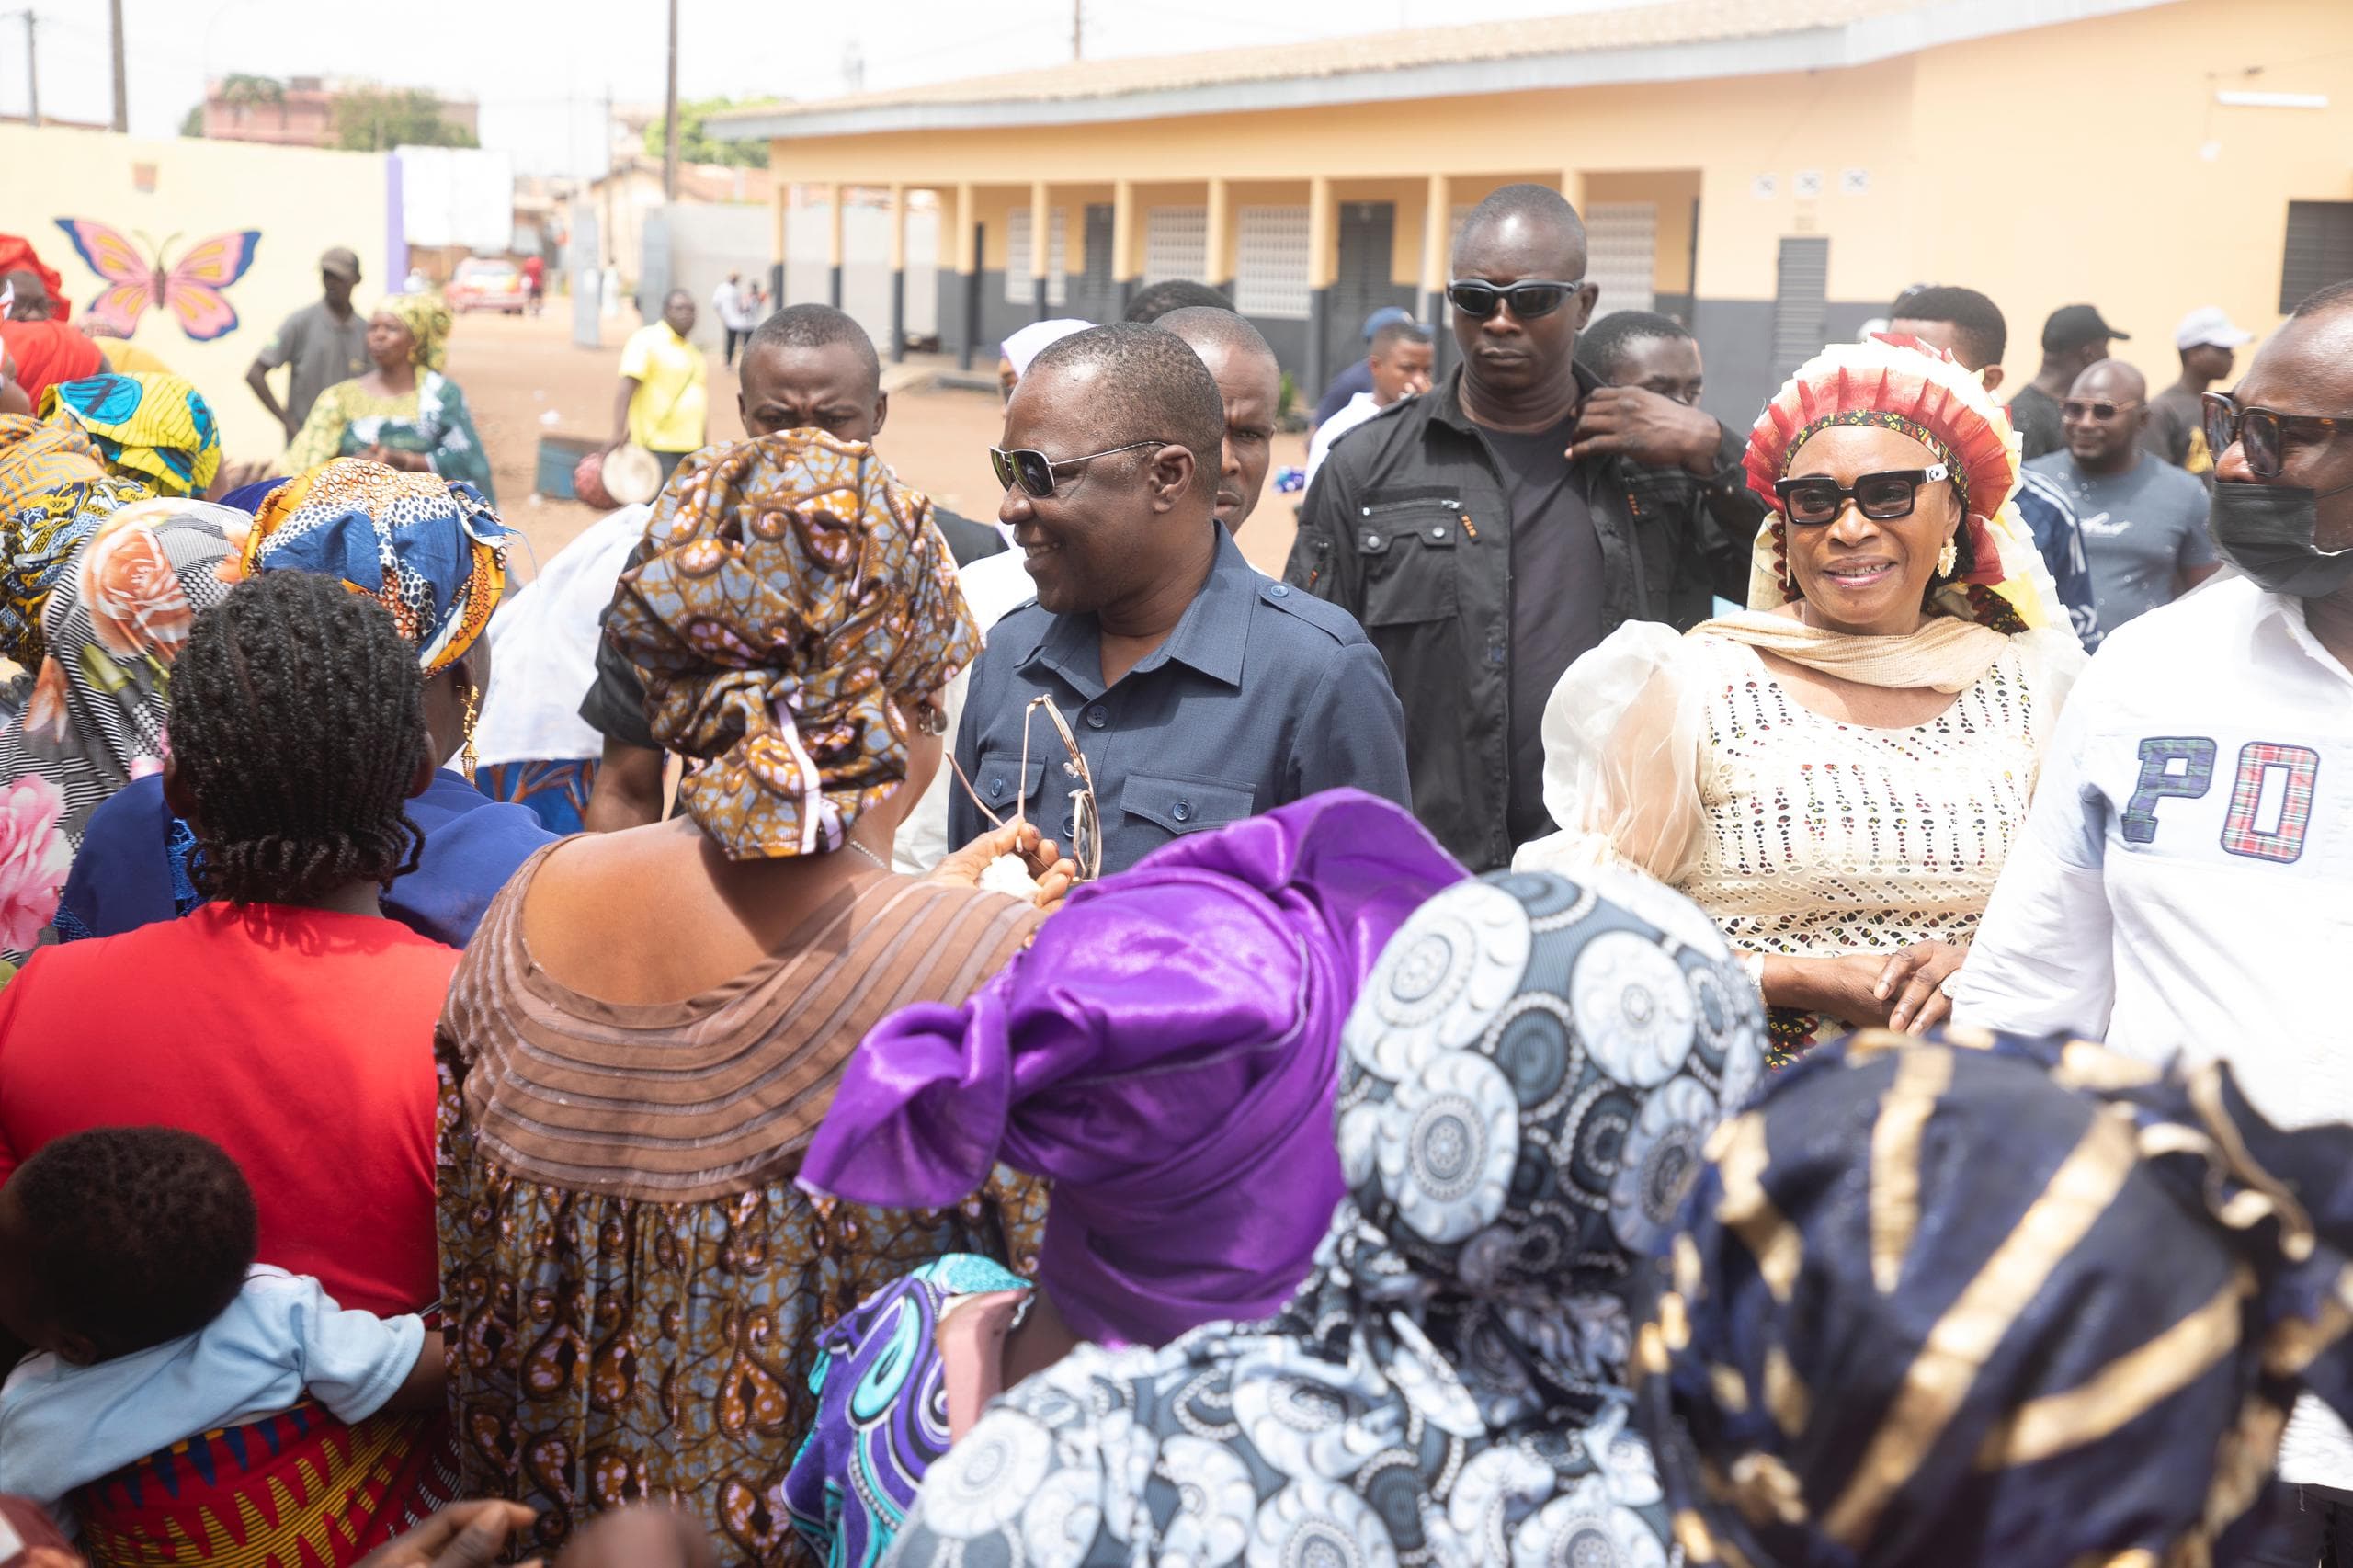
(2185, 882)
(1400, 361)
(727, 306)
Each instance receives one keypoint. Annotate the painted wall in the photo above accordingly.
(2084, 160)
(177, 193)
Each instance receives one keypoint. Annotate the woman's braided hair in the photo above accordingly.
(297, 725)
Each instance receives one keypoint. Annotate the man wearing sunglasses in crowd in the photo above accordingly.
(2144, 520)
(1479, 535)
(2184, 879)
(1196, 690)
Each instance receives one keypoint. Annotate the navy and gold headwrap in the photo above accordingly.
(1978, 1299)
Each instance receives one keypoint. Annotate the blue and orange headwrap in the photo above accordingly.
(1903, 384)
(432, 551)
(794, 588)
(1974, 1298)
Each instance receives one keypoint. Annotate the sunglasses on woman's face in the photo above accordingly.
(1535, 297)
(1035, 472)
(1882, 497)
(2264, 434)
(2101, 410)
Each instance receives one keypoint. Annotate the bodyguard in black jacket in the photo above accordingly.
(1491, 530)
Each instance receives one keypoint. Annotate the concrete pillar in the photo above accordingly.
(968, 273)
(779, 240)
(1217, 249)
(1124, 267)
(1437, 225)
(1323, 267)
(1041, 225)
(834, 195)
(898, 272)
(1572, 186)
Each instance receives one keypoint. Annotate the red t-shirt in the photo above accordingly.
(299, 1040)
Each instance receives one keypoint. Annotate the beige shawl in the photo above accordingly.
(1945, 653)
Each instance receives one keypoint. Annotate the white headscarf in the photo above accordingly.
(1032, 341)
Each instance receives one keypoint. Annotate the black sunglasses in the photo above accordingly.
(1819, 498)
(2102, 410)
(1034, 470)
(2261, 433)
(1475, 297)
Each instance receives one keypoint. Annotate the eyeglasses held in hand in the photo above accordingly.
(1528, 300)
(2101, 409)
(2264, 434)
(1035, 472)
(1087, 823)
(1819, 498)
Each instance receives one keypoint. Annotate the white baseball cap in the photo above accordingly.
(2206, 326)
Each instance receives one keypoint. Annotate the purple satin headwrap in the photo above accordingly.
(1167, 1054)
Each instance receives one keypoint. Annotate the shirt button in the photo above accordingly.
(1279, 591)
(1182, 810)
(1097, 718)
(1438, 533)
(996, 789)
(1070, 828)
(1372, 541)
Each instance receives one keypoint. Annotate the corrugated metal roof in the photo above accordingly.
(1638, 26)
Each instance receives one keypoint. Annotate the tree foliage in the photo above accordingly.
(377, 120)
(696, 145)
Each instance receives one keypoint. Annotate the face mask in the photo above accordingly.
(2265, 530)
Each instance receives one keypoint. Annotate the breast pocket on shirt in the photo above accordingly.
(1005, 787)
(1185, 805)
(1408, 551)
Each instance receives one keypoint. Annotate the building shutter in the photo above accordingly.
(1019, 286)
(1177, 243)
(1621, 254)
(1799, 318)
(1270, 262)
(2319, 251)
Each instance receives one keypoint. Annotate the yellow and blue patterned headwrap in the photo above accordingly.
(155, 429)
(1974, 1298)
(430, 550)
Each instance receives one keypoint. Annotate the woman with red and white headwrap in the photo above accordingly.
(1836, 774)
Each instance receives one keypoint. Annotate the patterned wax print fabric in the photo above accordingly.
(116, 620)
(793, 590)
(37, 455)
(155, 429)
(1529, 1076)
(1978, 1299)
(1901, 384)
(882, 1422)
(432, 552)
(39, 534)
(431, 419)
(556, 792)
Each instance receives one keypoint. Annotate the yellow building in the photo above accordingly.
(1773, 171)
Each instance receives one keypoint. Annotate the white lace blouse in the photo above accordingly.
(1799, 835)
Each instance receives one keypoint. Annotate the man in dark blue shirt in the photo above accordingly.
(1199, 691)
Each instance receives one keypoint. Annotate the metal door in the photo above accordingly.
(1800, 319)
(1368, 232)
(1096, 295)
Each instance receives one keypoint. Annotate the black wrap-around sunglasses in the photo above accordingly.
(1529, 299)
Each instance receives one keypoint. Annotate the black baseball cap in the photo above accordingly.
(2072, 327)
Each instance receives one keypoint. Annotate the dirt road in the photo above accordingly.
(524, 376)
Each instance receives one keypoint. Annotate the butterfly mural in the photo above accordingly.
(191, 288)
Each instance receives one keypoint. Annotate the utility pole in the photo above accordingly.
(1078, 30)
(121, 86)
(670, 117)
(32, 73)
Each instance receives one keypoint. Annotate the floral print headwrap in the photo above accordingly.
(793, 587)
(1903, 384)
(430, 550)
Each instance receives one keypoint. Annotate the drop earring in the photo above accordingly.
(1947, 562)
(474, 707)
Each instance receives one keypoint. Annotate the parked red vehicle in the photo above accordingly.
(487, 283)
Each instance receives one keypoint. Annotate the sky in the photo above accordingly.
(540, 71)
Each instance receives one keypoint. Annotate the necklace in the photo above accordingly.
(869, 854)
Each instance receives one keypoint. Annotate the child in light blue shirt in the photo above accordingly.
(126, 1265)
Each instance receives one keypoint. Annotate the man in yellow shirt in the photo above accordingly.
(664, 404)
